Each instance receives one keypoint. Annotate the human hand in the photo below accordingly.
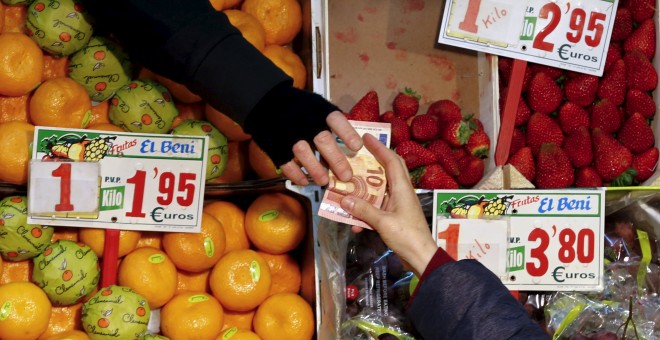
(327, 146)
(400, 221)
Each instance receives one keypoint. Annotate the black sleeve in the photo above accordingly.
(191, 43)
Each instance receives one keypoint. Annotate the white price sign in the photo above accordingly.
(572, 35)
(554, 238)
(117, 180)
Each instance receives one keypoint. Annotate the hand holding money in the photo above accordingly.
(368, 182)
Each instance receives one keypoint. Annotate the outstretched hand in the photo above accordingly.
(327, 146)
(400, 221)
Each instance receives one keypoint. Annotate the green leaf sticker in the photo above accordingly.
(198, 298)
(255, 271)
(269, 215)
(229, 333)
(209, 248)
(156, 258)
(5, 311)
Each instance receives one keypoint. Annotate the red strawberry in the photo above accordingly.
(406, 103)
(400, 131)
(640, 101)
(613, 54)
(640, 72)
(505, 65)
(553, 168)
(471, 170)
(636, 134)
(527, 78)
(544, 95)
(613, 84)
(522, 113)
(623, 24)
(552, 72)
(572, 117)
(386, 117)
(587, 177)
(523, 161)
(459, 153)
(424, 128)
(456, 133)
(414, 154)
(446, 111)
(641, 9)
(645, 164)
(577, 146)
(474, 123)
(432, 177)
(518, 141)
(445, 156)
(610, 157)
(581, 89)
(541, 129)
(605, 115)
(642, 39)
(479, 144)
(366, 109)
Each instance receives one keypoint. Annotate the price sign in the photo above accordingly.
(117, 180)
(568, 34)
(555, 238)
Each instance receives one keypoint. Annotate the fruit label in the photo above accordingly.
(568, 34)
(198, 298)
(229, 333)
(118, 180)
(535, 240)
(156, 258)
(209, 248)
(5, 310)
(255, 271)
(269, 215)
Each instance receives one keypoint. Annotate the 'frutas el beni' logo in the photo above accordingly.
(75, 147)
(564, 52)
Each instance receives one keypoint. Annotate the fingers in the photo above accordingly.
(333, 155)
(362, 210)
(305, 156)
(343, 129)
(293, 172)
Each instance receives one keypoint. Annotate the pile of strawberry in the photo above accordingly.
(579, 130)
(442, 148)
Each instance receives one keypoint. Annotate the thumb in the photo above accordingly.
(362, 210)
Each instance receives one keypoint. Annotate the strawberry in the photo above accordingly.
(541, 129)
(366, 109)
(610, 157)
(571, 117)
(400, 131)
(424, 128)
(613, 84)
(552, 72)
(478, 144)
(456, 133)
(527, 79)
(623, 24)
(446, 111)
(553, 168)
(577, 146)
(386, 117)
(505, 65)
(414, 154)
(613, 54)
(523, 161)
(459, 153)
(640, 72)
(406, 103)
(544, 95)
(641, 9)
(474, 123)
(518, 141)
(471, 170)
(605, 116)
(645, 164)
(445, 156)
(587, 177)
(432, 177)
(522, 112)
(581, 89)
(640, 101)
(636, 134)
(642, 39)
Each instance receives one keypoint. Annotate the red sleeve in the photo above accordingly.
(439, 258)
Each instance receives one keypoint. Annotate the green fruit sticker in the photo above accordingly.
(255, 271)
(229, 333)
(143, 106)
(209, 248)
(59, 27)
(5, 310)
(116, 312)
(269, 215)
(18, 239)
(217, 149)
(156, 258)
(198, 298)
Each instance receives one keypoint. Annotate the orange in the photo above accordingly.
(275, 223)
(233, 220)
(250, 27)
(60, 102)
(191, 315)
(15, 139)
(188, 111)
(20, 271)
(192, 282)
(196, 252)
(150, 239)
(289, 62)
(25, 311)
(2, 16)
(14, 109)
(284, 316)
(235, 333)
(95, 239)
(54, 67)
(105, 127)
(284, 273)
(281, 19)
(15, 17)
(21, 64)
(63, 319)
(226, 125)
(100, 113)
(151, 273)
(224, 4)
(237, 164)
(178, 91)
(65, 233)
(261, 163)
(240, 320)
(70, 335)
(240, 280)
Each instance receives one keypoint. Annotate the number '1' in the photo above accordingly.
(64, 172)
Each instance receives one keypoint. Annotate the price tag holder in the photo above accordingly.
(555, 238)
(117, 180)
(568, 34)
